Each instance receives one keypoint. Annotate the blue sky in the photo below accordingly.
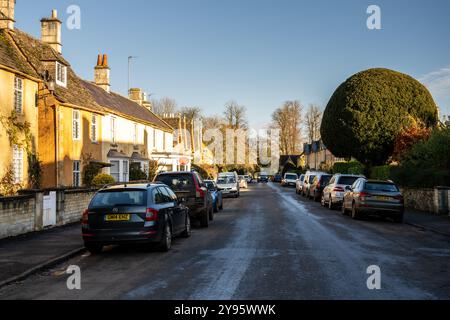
(257, 52)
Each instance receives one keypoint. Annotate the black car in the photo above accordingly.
(277, 178)
(190, 187)
(134, 213)
(320, 181)
(263, 178)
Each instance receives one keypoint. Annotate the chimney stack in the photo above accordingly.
(140, 97)
(102, 73)
(51, 31)
(7, 14)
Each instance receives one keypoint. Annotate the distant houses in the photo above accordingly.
(70, 122)
(318, 157)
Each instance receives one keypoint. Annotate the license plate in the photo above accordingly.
(118, 217)
(381, 198)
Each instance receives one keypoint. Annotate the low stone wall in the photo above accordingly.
(436, 201)
(75, 202)
(23, 214)
(17, 215)
(421, 199)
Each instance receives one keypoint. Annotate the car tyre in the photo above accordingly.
(343, 210)
(211, 214)
(166, 241)
(322, 201)
(221, 206)
(330, 204)
(188, 228)
(94, 248)
(216, 208)
(204, 219)
(355, 213)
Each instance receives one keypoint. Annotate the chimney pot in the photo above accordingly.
(102, 73)
(54, 14)
(51, 31)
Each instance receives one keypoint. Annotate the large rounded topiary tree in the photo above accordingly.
(368, 111)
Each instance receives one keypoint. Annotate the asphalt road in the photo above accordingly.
(269, 244)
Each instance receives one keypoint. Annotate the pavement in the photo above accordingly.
(268, 244)
(24, 255)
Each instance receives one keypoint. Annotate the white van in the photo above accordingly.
(228, 183)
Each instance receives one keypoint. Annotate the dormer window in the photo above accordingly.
(61, 75)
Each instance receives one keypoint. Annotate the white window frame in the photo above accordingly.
(76, 125)
(76, 173)
(94, 128)
(115, 174)
(18, 164)
(113, 130)
(61, 75)
(125, 170)
(18, 94)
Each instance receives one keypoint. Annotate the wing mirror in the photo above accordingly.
(348, 188)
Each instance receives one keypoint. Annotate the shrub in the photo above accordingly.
(381, 172)
(90, 171)
(8, 186)
(136, 174)
(368, 111)
(427, 164)
(351, 167)
(102, 180)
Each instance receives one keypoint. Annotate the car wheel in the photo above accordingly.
(94, 248)
(187, 231)
(216, 207)
(322, 201)
(343, 210)
(330, 204)
(204, 219)
(221, 206)
(211, 214)
(166, 241)
(355, 214)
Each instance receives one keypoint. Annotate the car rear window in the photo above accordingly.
(291, 177)
(347, 181)
(379, 186)
(311, 179)
(179, 182)
(114, 198)
(325, 179)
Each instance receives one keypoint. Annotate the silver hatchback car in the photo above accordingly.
(367, 197)
(333, 193)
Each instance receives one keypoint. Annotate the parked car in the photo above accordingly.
(249, 178)
(190, 186)
(263, 177)
(319, 183)
(333, 193)
(278, 178)
(216, 195)
(299, 184)
(307, 183)
(243, 184)
(289, 180)
(134, 213)
(229, 186)
(369, 197)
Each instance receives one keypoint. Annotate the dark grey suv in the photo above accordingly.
(134, 213)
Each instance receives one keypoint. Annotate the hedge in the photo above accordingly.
(352, 167)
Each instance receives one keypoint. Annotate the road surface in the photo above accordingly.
(268, 244)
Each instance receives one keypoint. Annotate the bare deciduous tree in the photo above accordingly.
(191, 113)
(288, 119)
(235, 115)
(312, 122)
(164, 106)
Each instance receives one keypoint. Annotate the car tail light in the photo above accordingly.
(338, 189)
(151, 214)
(364, 195)
(85, 218)
(399, 197)
(199, 193)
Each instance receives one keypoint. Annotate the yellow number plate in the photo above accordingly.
(381, 198)
(118, 217)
